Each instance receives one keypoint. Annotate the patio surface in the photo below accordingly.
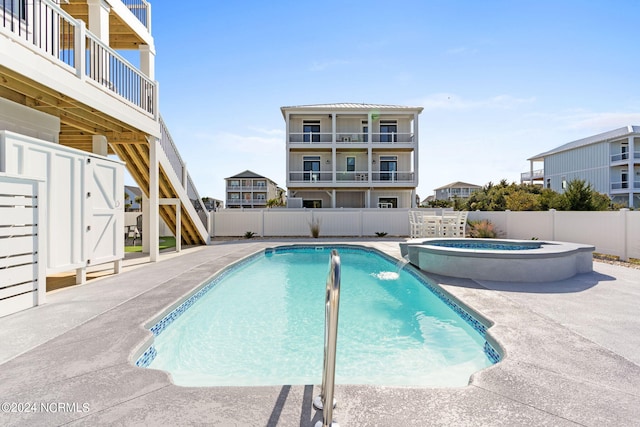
(571, 356)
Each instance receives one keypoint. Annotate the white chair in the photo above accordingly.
(454, 223)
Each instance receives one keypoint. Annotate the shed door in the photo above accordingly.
(105, 210)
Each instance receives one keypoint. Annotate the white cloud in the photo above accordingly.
(599, 122)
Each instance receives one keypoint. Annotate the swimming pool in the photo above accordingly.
(262, 323)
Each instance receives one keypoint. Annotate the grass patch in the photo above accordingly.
(165, 242)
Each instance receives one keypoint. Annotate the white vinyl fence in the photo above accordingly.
(614, 233)
(22, 243)
(611, 232)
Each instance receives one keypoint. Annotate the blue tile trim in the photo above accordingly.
(159, 327)
(147, 357)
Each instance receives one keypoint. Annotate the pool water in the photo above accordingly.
(263, 324)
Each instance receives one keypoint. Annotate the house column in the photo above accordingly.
(99, 19)
(99, 145)
(369, 152)
(415, 157)
(148, 61)
(154, 200)
(632, 171)
(286, 144)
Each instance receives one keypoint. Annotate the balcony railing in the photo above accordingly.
(537, 174)
(624, 185)
(177, 164)
(56, 34)
(361, 176)
(618, 157)
(349, 138)
(247, 188)
(247, 202)
(141, 10)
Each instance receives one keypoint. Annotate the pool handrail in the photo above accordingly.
(332, 304)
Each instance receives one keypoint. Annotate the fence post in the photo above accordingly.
(625, 238)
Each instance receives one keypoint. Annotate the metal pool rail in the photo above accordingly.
(332, 303)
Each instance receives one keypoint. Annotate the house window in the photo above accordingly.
(388, 130)
(312, 204)
(365, 131)
(234, 183)
(311, 168)
(548, 182)
(311, 131)
(564, 182)
(388, 168)
(351, 164)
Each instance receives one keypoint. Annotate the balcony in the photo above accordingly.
(246, 202)
(350, 138)
(623, 157)
(45, 28)
(351, 179)
(624, 186)
(528, 176)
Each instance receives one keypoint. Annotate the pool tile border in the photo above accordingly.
(150, 353)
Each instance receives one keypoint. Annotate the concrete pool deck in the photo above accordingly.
(571, 356)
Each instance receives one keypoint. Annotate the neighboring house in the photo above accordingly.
(64, 81)
(212, 204)
(250, 190)
(460, 190)
(609, 161)
(352, 155)
(133, 198)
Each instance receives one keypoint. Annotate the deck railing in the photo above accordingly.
(377, 138)
(141, 10)
(178, 165)
(52, 31)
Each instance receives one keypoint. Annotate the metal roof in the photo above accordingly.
(350, 106)
(601, 137)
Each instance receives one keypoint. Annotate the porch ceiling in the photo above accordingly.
(78, 121)
(121, 36)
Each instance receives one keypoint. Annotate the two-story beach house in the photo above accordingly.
(458, 189)
(609, 161)
(352, 155)
(69, 102)
(250, 190)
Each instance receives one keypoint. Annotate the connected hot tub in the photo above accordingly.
(501, 260)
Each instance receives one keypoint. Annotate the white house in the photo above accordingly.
(609, 161)
(352, 155)
(69, 102)
(250, 190)
(458, 189)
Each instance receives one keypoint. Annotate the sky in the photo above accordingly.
(499, 81)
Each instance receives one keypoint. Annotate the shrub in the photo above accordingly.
(482, 229)
(314, 227)
(249, 234)
(381, 233)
